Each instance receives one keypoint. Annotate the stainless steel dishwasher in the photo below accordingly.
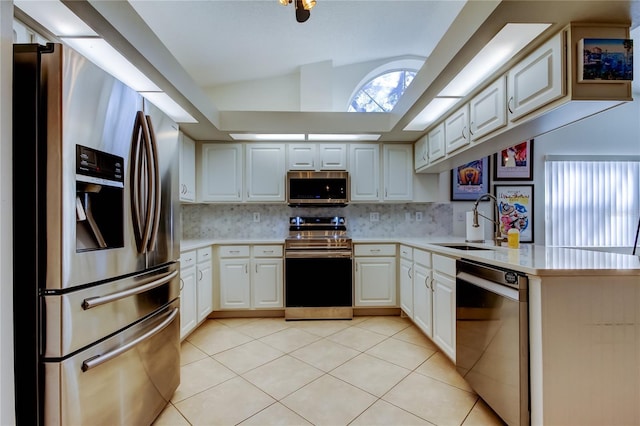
(492, 339)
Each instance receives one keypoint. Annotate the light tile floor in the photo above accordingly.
(369, 371)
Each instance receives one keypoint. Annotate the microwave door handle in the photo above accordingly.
(157, 190)
(135, 181)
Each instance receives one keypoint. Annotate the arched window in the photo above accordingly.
(381, 93)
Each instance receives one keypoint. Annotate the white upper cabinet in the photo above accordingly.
(456, 129)
(187, 168)
(333, 156)
(436, 143)
(265, 172)
(302, 156)
(364, 170)
(487, 110)
(421, 153)
(398, 172)
(311, 156)
(221, 172)
(538, 79)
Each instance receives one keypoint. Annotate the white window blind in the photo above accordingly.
(591, 201)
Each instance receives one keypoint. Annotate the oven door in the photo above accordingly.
(318, 278)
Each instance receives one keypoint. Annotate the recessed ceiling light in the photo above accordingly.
(267, 136)
(343, 137)
(169, 107)
(503, 46)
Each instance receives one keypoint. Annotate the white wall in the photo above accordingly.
(7, 413)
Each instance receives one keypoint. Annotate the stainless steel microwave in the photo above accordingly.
(317, 189)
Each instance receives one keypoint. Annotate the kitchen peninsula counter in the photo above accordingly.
(529, 258)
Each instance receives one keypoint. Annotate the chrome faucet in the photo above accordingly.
(498, 238)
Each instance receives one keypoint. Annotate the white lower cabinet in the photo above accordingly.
(422, 291)
(444, 304)
(196, 291)
(251, 277)
(406, 280)
(375, 275)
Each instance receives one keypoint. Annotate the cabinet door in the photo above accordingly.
(398, 173)
(267, 283)
(221, 174)
(204, 289)
(188, 296)
(265, 172)
(333, 156)
(364, 168)
(406, 287)
(456, 129)
(444, 313)
(235, 288)
(302, 156)
(187, 168)
(422, 299)
(375, 281)
(436, 143)
(488, 109)
(537, 79)
(420, 158)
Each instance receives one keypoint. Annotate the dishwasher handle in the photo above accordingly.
(493, 287)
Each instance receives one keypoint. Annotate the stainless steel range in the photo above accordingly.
(318, 269)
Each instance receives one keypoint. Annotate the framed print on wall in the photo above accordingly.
(514, 163)
(605, 60)
(470, 180)
(515, 208)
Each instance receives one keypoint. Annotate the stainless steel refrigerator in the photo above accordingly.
(96, 285)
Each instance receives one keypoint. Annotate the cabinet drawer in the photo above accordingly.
(267, 251)
(421, 257)
(444, 264)
(375, 250)
(233, 251)
(204, 254)
(188, 258)
(406, 252)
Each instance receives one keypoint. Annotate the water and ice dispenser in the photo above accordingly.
(99, 200)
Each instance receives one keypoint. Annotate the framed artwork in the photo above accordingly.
(514, 163)
(470, 180)
(515, 208)
(605, 60)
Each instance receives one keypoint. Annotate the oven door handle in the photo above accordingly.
(317, 254)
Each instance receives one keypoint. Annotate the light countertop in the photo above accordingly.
(530, 259)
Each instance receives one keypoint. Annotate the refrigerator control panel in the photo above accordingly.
(91, 162)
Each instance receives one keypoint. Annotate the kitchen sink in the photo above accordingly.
(459, 246)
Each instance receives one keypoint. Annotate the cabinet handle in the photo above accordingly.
(234, 251)
(201, 275)
(509, 105)
(426, 282)
(432, 286)
(256, 268)
(181, 284)
(374, 250)
(238, 194)
(385, 193)
(267, 251)
(377, 194)
(463, 129)
(471, 129)
(409, 272)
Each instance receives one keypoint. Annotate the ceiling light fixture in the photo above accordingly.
(302, 8)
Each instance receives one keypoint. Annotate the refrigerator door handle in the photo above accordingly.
(101, 359)
(92, 302)
(154, 178)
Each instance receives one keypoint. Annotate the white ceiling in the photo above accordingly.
(190, 48)
(221, 42)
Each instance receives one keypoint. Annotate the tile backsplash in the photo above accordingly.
(221, 221)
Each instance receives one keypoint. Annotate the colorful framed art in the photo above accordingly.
(515, 208)
(470, 180)
(514, 163)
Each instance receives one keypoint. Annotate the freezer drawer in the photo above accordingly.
(92, 313)
(98, 386)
